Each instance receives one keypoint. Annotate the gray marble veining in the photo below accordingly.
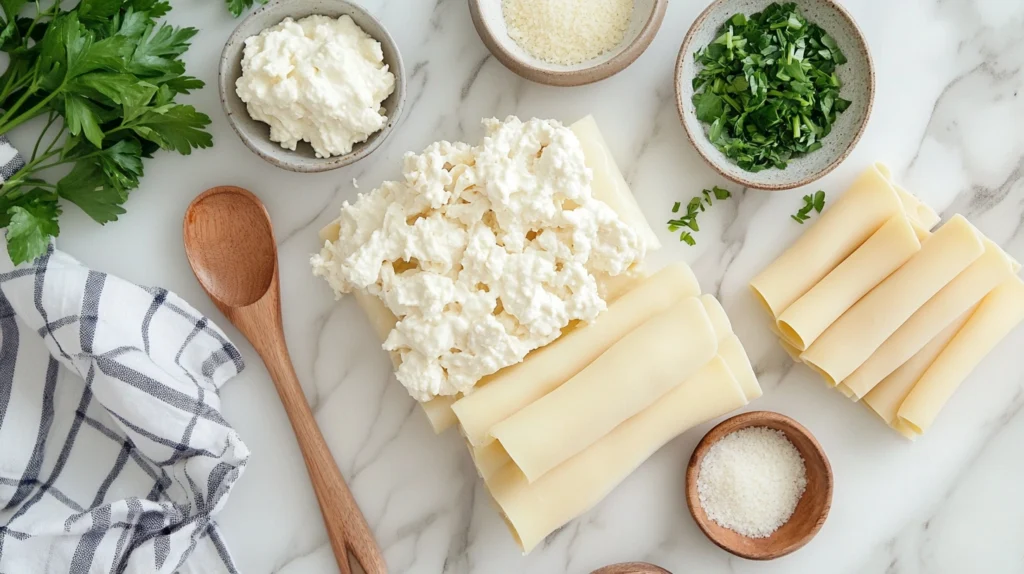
(948, 119)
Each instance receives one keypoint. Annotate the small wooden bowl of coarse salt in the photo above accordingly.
(567, 43)
(759, 485)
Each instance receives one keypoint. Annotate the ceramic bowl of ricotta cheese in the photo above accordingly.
(312, 85)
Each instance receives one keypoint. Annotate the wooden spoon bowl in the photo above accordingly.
(811, 510)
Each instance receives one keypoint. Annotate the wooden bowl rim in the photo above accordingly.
(747, 420)
(567, 78)
(685, 51)
(631, 568)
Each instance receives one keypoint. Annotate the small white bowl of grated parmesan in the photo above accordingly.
(567, 42)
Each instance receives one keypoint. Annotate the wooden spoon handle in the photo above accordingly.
(346, 526)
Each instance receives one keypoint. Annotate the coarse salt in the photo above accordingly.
(567, 31)
(751, 480)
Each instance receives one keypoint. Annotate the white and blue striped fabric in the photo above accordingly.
(10, 160)
(114, 456)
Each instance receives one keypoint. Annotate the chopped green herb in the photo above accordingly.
(693, 208)
(768, 87)
(814, 203)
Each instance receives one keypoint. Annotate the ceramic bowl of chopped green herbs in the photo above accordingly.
(774, 95)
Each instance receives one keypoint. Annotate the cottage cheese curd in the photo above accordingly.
(319, 80)
(482, 253)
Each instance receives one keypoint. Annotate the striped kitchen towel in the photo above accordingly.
(114, 455)
(10, 159)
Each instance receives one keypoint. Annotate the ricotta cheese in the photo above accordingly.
(483, 253)
(320, 80)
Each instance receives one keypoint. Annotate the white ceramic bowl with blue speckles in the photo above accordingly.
(857, 76)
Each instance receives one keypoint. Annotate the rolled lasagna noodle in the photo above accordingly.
(790, 350)
(962, 293)
(884, 252)
(720, 324)
(841, 229)
(488, 459)
(515, 387)
(914, 207)
(735, 356)
(608, 184)
(999, 312)
(674, 345)
(534, 510)
(849, 342)
(887, 396)
(918, 211)
(439, 413)
(614, 286)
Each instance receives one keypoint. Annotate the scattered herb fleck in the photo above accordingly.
(768, 87)
(815, 202)
(695, 206)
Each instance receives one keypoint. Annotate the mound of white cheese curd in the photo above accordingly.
(482, 253)
(319, 80)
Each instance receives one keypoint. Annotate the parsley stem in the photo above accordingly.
(39, 140)
(4, 128)
(63, 128)
(49, 165)
(10, 86)
(24, 173)
(33, 112)
(39, 14)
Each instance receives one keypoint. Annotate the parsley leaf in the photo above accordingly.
(175, 127)
(30, 228)
(12, 8)
(158, 48)
(81, 117)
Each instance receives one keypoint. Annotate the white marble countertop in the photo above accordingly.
(947, 118)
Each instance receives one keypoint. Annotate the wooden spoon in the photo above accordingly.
(230, 245)
(631, 568)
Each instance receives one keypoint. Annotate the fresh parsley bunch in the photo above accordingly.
(768, 87)
(105, 75)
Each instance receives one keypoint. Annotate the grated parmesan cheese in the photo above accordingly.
(567, 31)
(751, 480)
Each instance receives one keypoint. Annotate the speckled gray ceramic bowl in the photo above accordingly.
(857, 76)
(256, 135)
